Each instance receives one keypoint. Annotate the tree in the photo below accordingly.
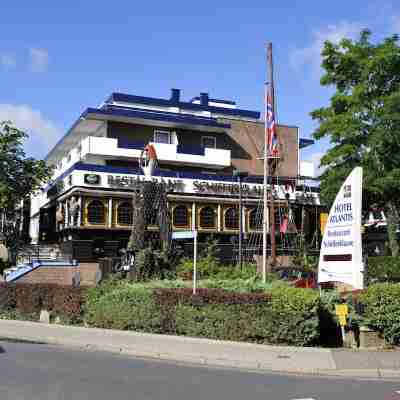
(362, 121)
(20, 176)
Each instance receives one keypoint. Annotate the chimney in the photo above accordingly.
(204, 99)
(175, 96)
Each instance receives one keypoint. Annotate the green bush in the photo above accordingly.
(123, 307)
(385, 268)
(382, 309)
(250, 285)
(290, 317)
(153, 263)
(295, 313)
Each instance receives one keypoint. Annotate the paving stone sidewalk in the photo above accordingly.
(354, 363)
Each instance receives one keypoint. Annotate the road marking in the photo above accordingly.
(308, 398)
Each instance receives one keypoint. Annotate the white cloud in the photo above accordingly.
(32, 122)
(8, 60)
(39, 59)
(311, 55)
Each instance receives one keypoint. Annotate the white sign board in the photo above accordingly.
(184, 235)
(340, 258)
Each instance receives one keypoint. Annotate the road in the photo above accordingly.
(43, 372)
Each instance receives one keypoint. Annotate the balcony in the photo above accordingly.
(110, 148)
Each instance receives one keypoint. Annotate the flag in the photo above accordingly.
(272, 140)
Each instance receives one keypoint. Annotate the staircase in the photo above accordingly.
(42, 252)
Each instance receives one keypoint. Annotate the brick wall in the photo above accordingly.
(53, 275)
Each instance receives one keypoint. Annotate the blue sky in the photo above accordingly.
(57, 58)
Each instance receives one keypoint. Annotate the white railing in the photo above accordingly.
(110, 147)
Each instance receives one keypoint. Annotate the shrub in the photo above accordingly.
(58, 299)
(8, 297)
(30, 299)
(295, 316)
(285, 316)
(385, 268)
(382, 309)
(250, 285)
(155, 264)
(123, 307)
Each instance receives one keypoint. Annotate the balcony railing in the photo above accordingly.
(174, 153)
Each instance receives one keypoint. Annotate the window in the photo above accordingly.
(231, 218)
(180, 217)
(96, 213)
(124, 213)
(255, 219)
(208, 218)
(209, 142)
(162, 137)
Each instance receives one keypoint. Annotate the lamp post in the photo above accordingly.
(240, 175)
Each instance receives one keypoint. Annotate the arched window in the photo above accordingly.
(231, 218)
(255, 219)
(208, 218)
(96, 213)
(124, 213)
(180, 217)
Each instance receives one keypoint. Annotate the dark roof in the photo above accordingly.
(230, 102)
(109, 110)
(151, 101)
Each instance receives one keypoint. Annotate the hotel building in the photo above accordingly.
(200, 143)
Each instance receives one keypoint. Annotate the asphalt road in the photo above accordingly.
(43, 372)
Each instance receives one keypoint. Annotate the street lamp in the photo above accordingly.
(240, 175)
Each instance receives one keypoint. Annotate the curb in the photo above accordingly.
(159, 348)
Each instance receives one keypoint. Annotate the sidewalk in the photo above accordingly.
(304, 360)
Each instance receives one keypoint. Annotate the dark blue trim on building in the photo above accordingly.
(151, 101)
(157, 116)
(303, 142)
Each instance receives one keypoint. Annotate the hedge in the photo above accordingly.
(385, 268)
(284, 316)
(125, 308)
(32, 298)
(382, 309)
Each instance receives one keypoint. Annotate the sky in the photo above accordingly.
(58, 58)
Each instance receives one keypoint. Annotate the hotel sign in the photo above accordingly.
(226, 188)
(123, 181)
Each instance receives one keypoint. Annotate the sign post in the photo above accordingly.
(189, 235)
(194, 262)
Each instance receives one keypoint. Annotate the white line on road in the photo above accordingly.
(308, 398)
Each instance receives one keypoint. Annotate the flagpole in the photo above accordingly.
(266, 222)
(272, 93)
(265, 208)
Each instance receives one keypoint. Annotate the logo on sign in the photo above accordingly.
(92, 179)
(347, 192)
